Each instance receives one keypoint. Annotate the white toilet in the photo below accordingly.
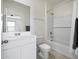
(44, 49)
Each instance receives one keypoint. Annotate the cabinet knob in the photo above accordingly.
(5, 41)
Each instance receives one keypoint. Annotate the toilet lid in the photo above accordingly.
(44, 46)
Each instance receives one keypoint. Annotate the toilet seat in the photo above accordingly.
(44, 46)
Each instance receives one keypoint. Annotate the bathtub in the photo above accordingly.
(63, 49)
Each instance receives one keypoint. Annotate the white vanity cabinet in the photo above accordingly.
(23, 52)
(13, 53)
(22, 48)
(28, 52)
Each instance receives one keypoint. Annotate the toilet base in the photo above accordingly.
(45, 56)
(41, 55)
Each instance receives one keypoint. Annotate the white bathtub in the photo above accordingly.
(63, 49)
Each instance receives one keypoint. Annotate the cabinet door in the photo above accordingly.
(28, 51)
(11, 54)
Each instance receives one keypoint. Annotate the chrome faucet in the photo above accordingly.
(17, 34)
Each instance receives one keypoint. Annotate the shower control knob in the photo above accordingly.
(51, 40)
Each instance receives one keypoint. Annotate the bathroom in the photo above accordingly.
(49, 23)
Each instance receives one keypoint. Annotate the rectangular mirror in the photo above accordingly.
(16, 16)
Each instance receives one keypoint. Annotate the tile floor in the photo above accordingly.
(55, 55)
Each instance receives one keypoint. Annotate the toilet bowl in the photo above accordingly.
(44, 49)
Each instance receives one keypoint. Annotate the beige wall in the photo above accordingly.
(64, 8)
